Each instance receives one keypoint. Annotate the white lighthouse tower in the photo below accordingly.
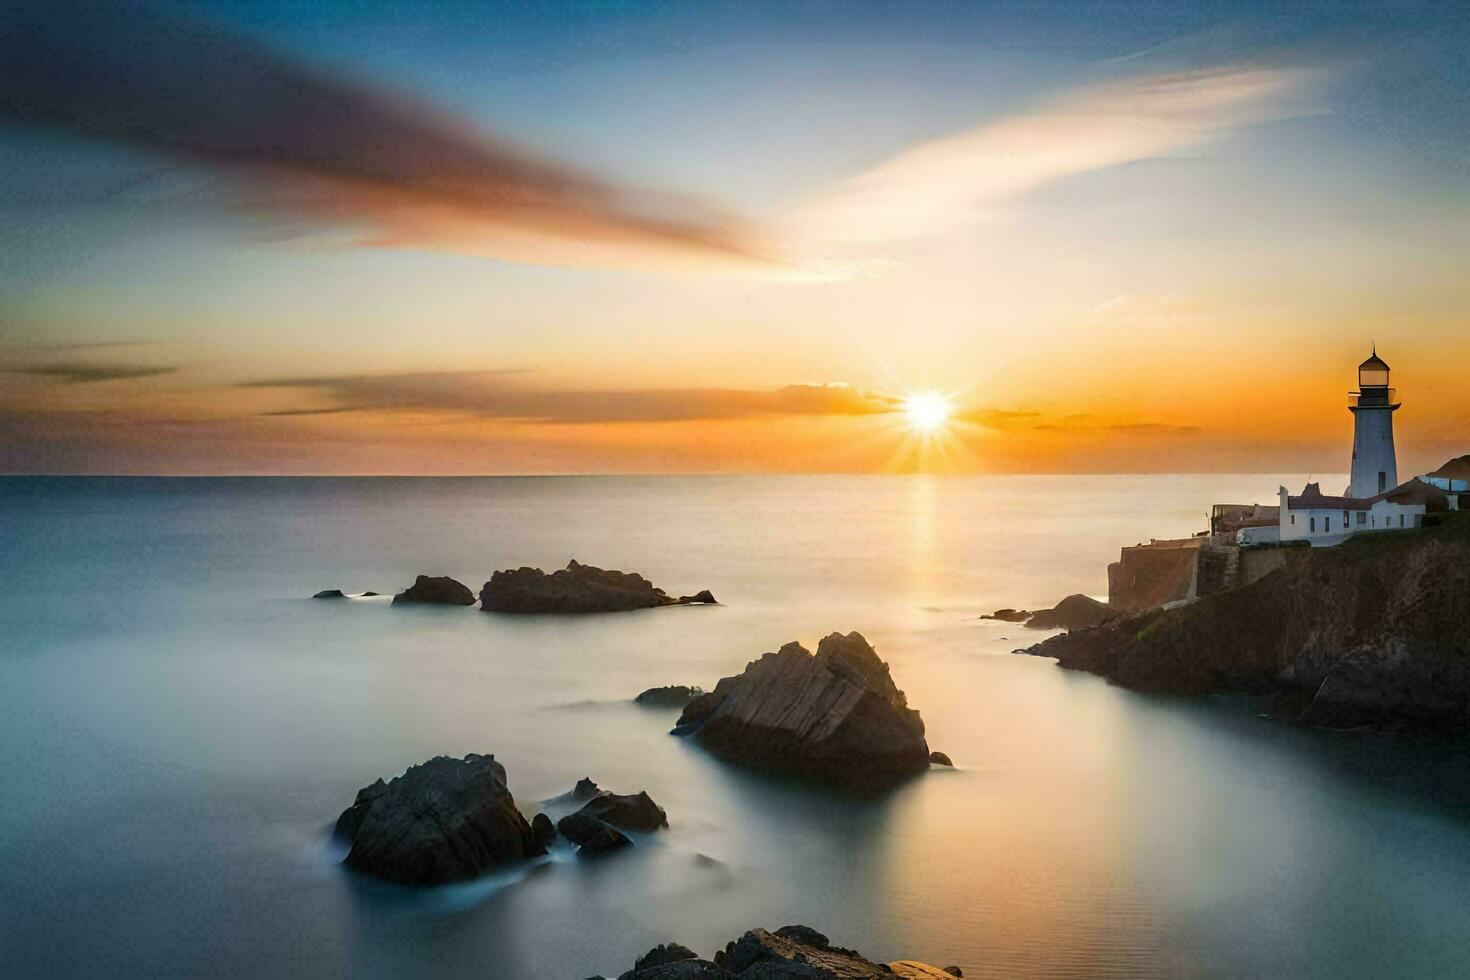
(1373, 405)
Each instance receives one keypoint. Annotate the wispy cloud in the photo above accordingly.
(502, 396)
(326, 148)
(940, 185)
(87, 373)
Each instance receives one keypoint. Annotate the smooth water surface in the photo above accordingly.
(180, 724)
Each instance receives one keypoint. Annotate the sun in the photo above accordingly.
(927, 411)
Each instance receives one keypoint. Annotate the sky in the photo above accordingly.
(466, 238)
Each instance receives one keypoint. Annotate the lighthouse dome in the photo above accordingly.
(1373, 373)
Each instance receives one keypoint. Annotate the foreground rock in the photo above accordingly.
(1371, 633)
(836, 717)
(940, 759)
(672, 696)
(598, 825)
(789, 953)
(444, 820)
(1073, 613)
(577, 588)
(436, 590)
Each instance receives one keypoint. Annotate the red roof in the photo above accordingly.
(1312, 498)
(1416, 491)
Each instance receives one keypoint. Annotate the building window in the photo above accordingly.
(1293, 518)
(1362, 517)
(1401, 519)
(1345, 520)
(1313, 529)
(1327, 524)
(1382, 481)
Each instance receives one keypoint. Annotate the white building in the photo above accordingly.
(1323, 520)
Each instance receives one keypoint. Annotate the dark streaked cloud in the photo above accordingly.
(321, 146)
(86, 373)
(501, 396)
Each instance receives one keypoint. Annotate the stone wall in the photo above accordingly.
(1149, 575)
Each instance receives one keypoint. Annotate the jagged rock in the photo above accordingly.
(789, 953)
(795, 951)
(577, 588)
(1073, 613)
(585, 789)
(671, 696)
(330, 594)
(939, 759)
(1369, 633)
(437, 590)
(702, 597)
(444, 820)
(836, 717)
(542, 829)
(591, 834)
(1009, 615)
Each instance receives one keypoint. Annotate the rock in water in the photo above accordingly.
(599, 824)
(1009, 615)
(436, 590)
(636, 812)
(940, 759)
(330, 594)
(1073, 613)
(577, 588)
(672, 696)
(836, 717)
(542, 829)
(444, 820)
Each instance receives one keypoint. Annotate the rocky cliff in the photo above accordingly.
(1374, 632)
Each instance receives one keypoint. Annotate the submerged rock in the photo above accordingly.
(598, 825)
(1009, 615)
(789, 953)
(577, 588)
(939, 759)
(444, 820)
(836, 717)
(436, 590)
(1073, 613)
(671, 696)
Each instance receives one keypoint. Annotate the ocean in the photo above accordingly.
(180, 724)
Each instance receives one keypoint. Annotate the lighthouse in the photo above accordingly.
(1373, 405)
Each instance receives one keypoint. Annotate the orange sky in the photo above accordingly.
(1170, 261)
